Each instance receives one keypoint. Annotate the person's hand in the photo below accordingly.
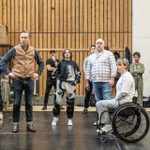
(12, 76)
(35, 76)
(87, 87)
(53, 58)
(112, 82)
(6, 76)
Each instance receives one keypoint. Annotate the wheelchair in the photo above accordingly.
(130, 123)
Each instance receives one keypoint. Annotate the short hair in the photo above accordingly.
(52, 51)
(64, 53)
(137, 53)
(123, 61)
(92, 46)
(25, 31)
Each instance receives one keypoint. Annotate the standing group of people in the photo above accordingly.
(23, 74)
(100, 70)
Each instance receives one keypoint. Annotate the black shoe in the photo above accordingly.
(30, 128)
(85, 111)
(44, 107)
(15, 128)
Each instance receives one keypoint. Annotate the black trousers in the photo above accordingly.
(49, 84)
(87, 96)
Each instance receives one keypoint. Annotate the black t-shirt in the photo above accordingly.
(53, 64)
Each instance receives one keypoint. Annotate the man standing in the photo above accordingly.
(23, 75)
(101, 70)
(87, 92)
(51, 66)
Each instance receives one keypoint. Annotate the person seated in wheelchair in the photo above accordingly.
(125, 90)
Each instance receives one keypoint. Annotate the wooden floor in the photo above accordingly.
(81, 136)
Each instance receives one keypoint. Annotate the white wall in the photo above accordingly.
(141, 37)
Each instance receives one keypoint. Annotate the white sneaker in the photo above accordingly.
(106, 128)
(96, 123)
(54, 122)
(1, 116)
(70, 122)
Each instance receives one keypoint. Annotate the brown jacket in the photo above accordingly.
(23, 62)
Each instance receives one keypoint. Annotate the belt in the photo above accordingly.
(24, 78)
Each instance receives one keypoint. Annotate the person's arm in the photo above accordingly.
(88, 72)
(120, 96)
(78, 73)
(6, 58)
(57, 71)
(89, 67)
(49, 65)
(85, 64)
(113, 68)
(39, 62)
(142, 69)
(132, 69)
(125, 89)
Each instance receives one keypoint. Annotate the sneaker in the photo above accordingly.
(1, 116)
(105, 129)
(70, 122)
(96, 123)
(54, 122)
(44, 107)
(85, 111)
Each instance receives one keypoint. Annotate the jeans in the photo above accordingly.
(102, 91)
(18, 86)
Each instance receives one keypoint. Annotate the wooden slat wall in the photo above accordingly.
(74, 24)
(78, 56)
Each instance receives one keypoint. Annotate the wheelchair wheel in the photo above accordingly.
(130, 123)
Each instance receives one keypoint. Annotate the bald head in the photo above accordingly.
(99, 45)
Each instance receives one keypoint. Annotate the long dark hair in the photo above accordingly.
(64, 53)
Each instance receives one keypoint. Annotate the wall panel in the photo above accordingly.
(74, 24)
